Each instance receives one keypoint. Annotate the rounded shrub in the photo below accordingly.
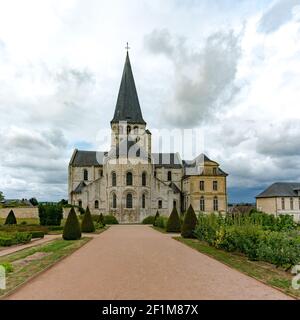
(11, 219)
(148, 220)
(189, 223)
(72, 228)
(173, 224)
(87, 224)
(110, 219)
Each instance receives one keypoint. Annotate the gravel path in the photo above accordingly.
(137, 262)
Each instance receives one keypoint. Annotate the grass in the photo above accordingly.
(56, 250)
(264, 272)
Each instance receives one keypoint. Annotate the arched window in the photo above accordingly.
(144, 179)
(128, 129)
(202, 204)
(85, 175)
(129, 179)
(129, 201)
(174, 204)
(159, 204)
(136, 130)
(169, 175)
(143, 201)
(100, 173)
(114, 201)
(96, 204)
(113, 179)
(216, 204)
(80, 203)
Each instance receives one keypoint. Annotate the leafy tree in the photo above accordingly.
(11, 219)
(50, 214)
(173, 224)
(87, 224)
(155, 218)
(1, 196)
(189, 223)
(63, 202)
(33, 201)
(72, 228)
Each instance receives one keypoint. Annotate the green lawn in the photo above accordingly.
(265, 272)
(23, 268)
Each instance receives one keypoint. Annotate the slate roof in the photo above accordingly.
(128, 106)
(79, 188)
(87, 158)
(281, 189)
(166, 160)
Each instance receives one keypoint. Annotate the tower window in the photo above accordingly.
(96, 204)
(144, 179)
(202, 204)
(128, 129)
(143, 201)
(201, 185)
(216, 204)
(136, 130)
(129, 201)
(169, 175)
(159, 204)
(129, 179)
(113, 179)
(85, 175)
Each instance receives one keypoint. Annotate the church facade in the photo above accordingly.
(130, 182)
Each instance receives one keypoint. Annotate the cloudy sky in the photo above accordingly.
(230, 67)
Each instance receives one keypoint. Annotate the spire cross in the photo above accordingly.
(127, 46)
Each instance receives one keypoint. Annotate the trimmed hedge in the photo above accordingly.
(189, 223)
(110, 219)
(161, 222)
(12, 238)
(87, 224)
(173, 224)
(11, 219)
(37, 234)
(72, 228)
(148, 220)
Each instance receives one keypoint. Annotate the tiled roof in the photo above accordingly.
(281, 189)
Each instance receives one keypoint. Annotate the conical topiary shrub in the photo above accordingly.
(72, 228)
(173, 224)
(11, 219)
(101, 219)
(189, 223)
(87, 224)
(155, 218)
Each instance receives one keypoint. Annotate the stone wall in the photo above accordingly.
(21, 212)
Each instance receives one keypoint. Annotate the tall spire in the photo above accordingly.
(128, 106)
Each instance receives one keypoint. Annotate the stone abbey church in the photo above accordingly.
(131, 182)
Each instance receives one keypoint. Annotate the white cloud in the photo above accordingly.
(231, 67)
